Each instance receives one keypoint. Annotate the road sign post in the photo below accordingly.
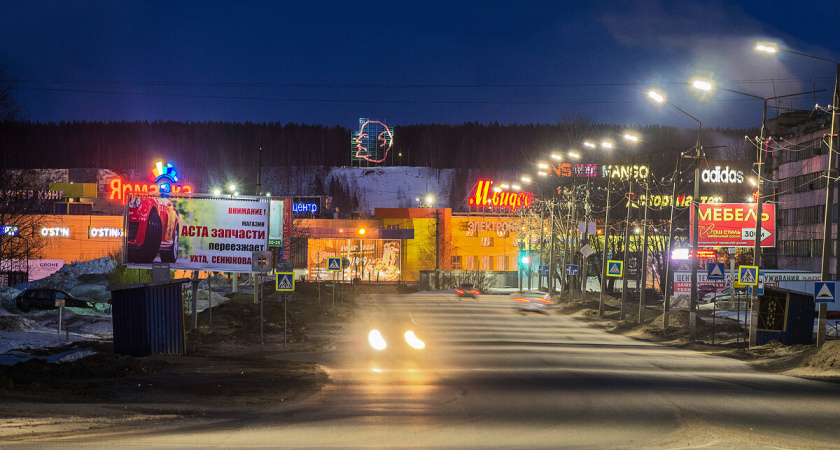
(615, 268)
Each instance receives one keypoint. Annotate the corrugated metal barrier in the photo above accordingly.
(148, 318)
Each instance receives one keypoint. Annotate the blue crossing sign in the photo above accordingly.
(543, 270)
(825, 291)
(572, 269)
(748, 275)
(717, 271)
(334, 264)
(615, 268)
(285, 282)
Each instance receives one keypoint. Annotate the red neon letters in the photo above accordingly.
(119, 189)
(511, 200)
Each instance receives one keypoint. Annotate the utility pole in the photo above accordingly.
(551, 254)
(626, 250)
(668, 287)
(643, 287)
(572, 252)
(583, 259)
(606, 246)
(695, 202)
(437, 249)
(829, 204)
(542, 248)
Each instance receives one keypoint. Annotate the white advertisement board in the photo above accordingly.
(210, 234)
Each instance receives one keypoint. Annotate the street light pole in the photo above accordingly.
(626, 250)
(829, 188)
(644, 251)
(668, 288)
(658, 97)
(606, 246)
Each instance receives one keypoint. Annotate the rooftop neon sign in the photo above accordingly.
(508, 200)
(164, 176)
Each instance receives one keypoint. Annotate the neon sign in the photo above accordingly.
(725, 175)
(304, 208)
(575, 170)
(55, 232)
(625, 172)
(8, 230)
(681, 200)
(105, 232)
(509, 200)
(373, 141)
(164, 176)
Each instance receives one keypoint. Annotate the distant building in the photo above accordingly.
(800, 158)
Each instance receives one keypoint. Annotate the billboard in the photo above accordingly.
(211, 234)
(370, 260)
(733, 225)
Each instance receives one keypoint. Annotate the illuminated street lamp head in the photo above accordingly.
(515, 187)
(217, 192)
(232, 187)
(497, 189)
(631, 138)
(752, 181)
(574, 155)
(543, 166)
(606, 145)
(557, 157)
(504, 186)
(656, 96)
(430, 199)
(361, 231)
(703, 85)
(766, 47)
(589, 144)
(542, 174)
(525, 179)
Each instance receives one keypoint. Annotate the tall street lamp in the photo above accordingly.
(660, 98)
(705, 85)
(829, 189)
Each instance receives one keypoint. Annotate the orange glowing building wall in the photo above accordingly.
(80, 238)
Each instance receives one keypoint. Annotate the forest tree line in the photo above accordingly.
(214, 145)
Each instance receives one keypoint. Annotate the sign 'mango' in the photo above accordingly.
(505, 200)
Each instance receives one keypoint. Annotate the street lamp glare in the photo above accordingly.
(543, 166)
(232, 187)
(525, 179)
(606, 145)
(515, 187)
(430, 199)
(752, 182)
(217, 192)
(542, 174)
(589, 144)
(703, 85)
(504, 186)
(574, 155)
(557, 157)
(767, 48)
(631, 137)
(656, 96)
(497, 189)
(361, 231)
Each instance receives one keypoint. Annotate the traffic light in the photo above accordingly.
(526, 259)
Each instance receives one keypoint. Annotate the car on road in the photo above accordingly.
(153, 229)
(467, 290)
(45, 298)
(724, 294)
(532, 300)
(389, 339)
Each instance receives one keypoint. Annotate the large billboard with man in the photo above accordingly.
(212, 234)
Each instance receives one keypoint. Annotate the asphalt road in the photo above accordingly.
(493, 376)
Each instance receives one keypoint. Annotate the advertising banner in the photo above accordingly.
(210, 234)
(733, 225)
(370, 260)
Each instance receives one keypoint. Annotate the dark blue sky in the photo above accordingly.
(331, 62)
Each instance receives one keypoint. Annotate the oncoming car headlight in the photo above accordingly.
(376, 340)
(413, 340)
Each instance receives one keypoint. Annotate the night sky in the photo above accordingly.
(332, 62)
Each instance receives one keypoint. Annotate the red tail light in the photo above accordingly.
(544, 300)
(523, 300)
(459, 291)
(475, 292)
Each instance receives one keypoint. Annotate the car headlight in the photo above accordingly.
(413, 340)
(376, 340)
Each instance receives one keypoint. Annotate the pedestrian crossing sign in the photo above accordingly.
(334, 264)
(748, 275)
(615, 269)
(285, 282)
